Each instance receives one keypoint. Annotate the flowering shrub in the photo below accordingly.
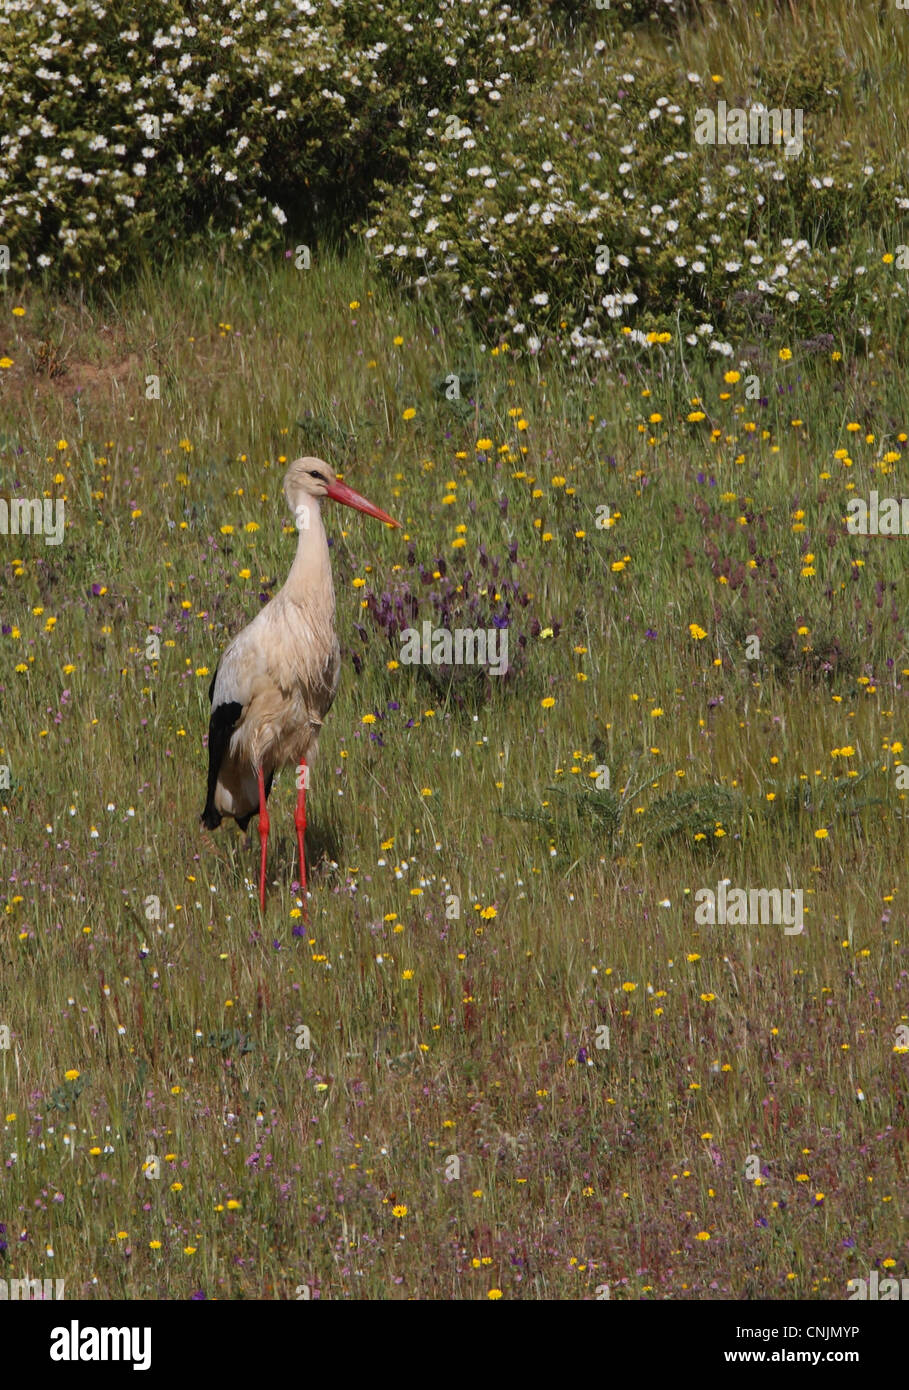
(587, 208)
(665, 13)
(124, 124)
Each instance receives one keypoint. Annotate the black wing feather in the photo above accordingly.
(223, 721)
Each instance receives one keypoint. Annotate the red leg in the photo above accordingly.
(264, 824)
(300, 823)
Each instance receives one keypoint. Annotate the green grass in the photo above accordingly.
(481, 906)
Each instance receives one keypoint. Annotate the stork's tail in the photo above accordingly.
(211, 817)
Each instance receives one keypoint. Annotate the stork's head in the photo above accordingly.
(310, 478)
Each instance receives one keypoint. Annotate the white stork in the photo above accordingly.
(275, 682)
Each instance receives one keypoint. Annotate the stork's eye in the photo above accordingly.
(313, 473)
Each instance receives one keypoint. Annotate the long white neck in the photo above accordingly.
(309, 583)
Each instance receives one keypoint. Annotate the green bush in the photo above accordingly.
(127, 125)
(664, 13)
(516, 214)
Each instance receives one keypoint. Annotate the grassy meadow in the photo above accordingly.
(530, 1072)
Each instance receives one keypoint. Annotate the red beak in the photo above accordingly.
(340, 492)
